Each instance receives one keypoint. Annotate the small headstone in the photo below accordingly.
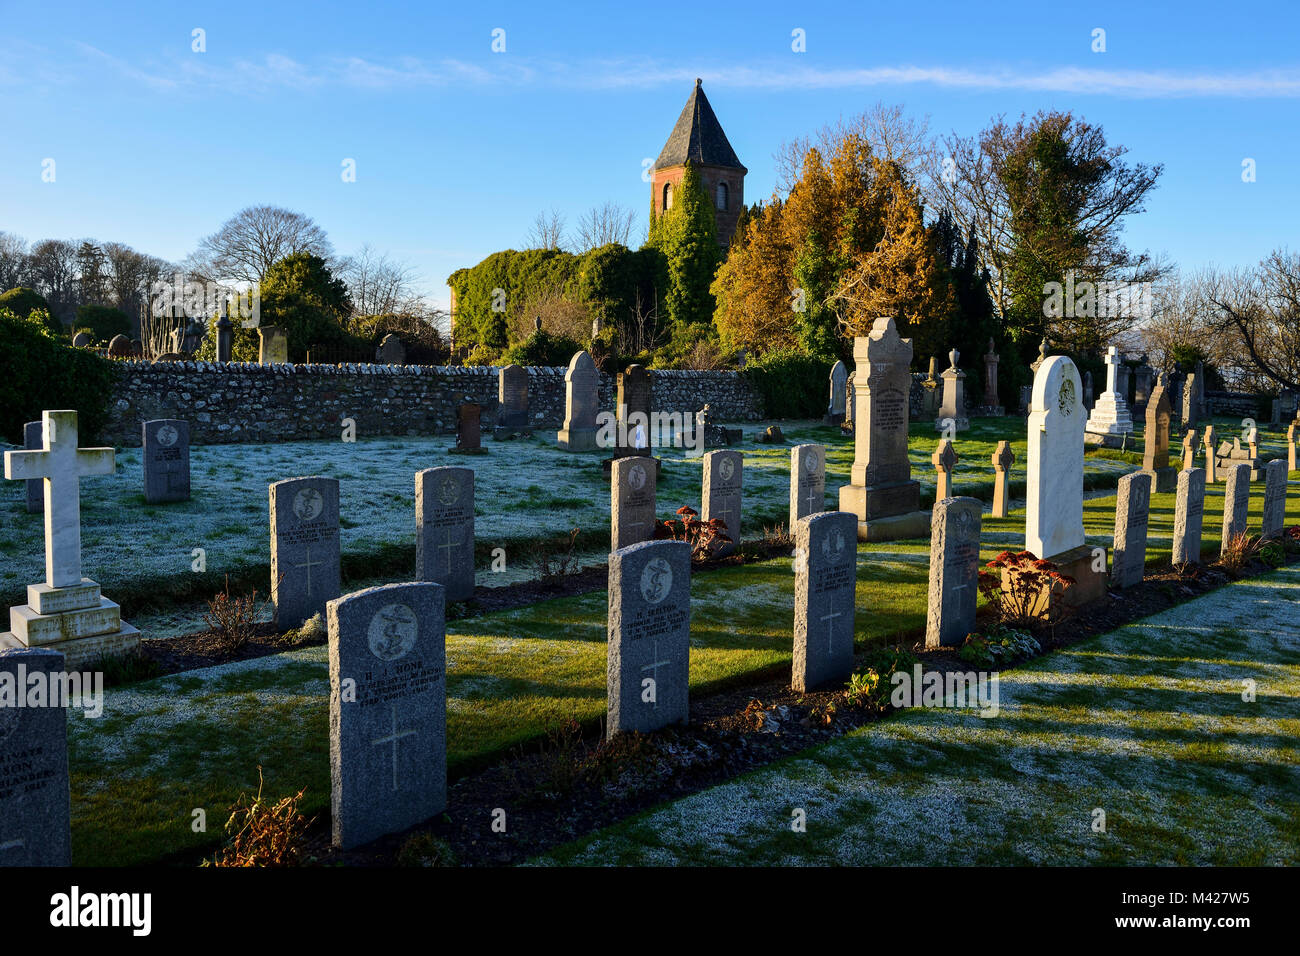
(954, 571)
(723, 482)
(81, 341)
(953, 405)
(273, 345)
(1155, 441)
(1189, 515)
(388, 710)
(635, 403)
(825, 578)
(1191, 444)
(632, 501)
(35, 799)
(944, 460)
(304, 547)
(225, 338)
(648, 667)
(32, 441)
(807, 482)
(1274, 498)
(165, 450)
(772, 435)
(119, 346)
(1211, 469)
(444, 529)
(391, 351)
(581, 387)
(836, 409)
(1088, 394)
(469, 431)
(1236, 503)
(1143, 377)
(1132, 516)
(512, 397)
(1003, 459)
(1192, 392)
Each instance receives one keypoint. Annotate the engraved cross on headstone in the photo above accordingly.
(393, 738)
(830, 629)
(653, 667)
(308, 565)
(61, 464)
(447, 547)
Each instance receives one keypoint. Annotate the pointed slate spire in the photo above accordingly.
(698, 137)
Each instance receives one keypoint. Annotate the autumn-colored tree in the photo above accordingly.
(754, 303)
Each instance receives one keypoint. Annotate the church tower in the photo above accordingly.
(698, 137)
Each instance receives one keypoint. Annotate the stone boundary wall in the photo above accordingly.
(244, 402)
(1237, 404)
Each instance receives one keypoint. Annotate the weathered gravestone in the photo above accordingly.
(512, 397)
(1189, 516)
(881, 491)
(991, 406)
(1088, 393)
(444, 529)
(81, 341)
(954, 571)
(1054, 481)
(1274, 498)
(1155, 441)
(581, 400)
(35, 799)
(1191, 445)
(1211, 463)
(67, 613)
(469, 429)
(1003, 459)
(953, 406)
(807, 481)
(1143, 377)
(1192, 396)
(225, 338)
(273, 345)
(388, 710)
(165, 451)
(1132, 516)
(119, 346)
(1236, 504)
(32, 441)
(1292, 438)
(836, 408)
(931, 391)
(850, 403)
(826, 565)
(304, 547)
(944, 460)
(391, 350)
(635, 403)
(632, 501)
(648, 664)
(1110, 416)
(724, 473)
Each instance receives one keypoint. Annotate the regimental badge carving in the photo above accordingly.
(810, 461)
(656, 580)
(726, 469)
(449, 489)
(1067, 398)
(308, 503)
(636, 477)
(962, 521)
(167, 435)
(392, 632)
(833, 544)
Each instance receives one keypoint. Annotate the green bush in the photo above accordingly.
(43, 373)
(103, 322)
(793, 384)
(541, 348)
(23, 301)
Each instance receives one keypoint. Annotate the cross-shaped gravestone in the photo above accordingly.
(307, 566)
(394, 737)
(61, 464)
(653, 668)
(1190, 443)
(1211, 463)
(1002, 460)
(944, 460)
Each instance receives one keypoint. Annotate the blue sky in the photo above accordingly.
(458, 148)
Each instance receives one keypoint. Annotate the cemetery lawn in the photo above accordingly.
(1146, 723)
(142, 555)
(169, 746)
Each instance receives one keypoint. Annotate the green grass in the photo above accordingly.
(1147, 724)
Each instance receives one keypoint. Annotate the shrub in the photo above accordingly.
(264, 834)
(999, 646)
(793, 384)
(234, 619)
(41, 373)
(541, 348)
(706, 538)
(103, 321)
(1026, 577)
(22, 302)
(1238, 551)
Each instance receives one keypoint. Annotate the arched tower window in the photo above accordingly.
(668, 198)
(722, 197)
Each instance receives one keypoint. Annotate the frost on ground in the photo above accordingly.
(1144, 730)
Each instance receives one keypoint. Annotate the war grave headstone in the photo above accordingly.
(632, 501)
(444, 529)
(1155, 454)
(1054, 481)
(1003, 459)
(1274, 498)
(953, 405)
(388, 710)
(1132, 516)
(1236, 503)
(954, 571)
(648, 663)
(835, 410)
(724, 473)
(944, 460)
(826, 549)
(807, 481)
(881, 491)
(581, 403)
(35, 487)
(305, 570)
(1110, 419)
(35, 797)
(67, 613)
(273, 345)
(1189, 516)
(165, 452)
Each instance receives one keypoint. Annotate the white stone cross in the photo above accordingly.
(61, 464)
(653, 667)
(309, 564)
(447, 548)
(393, 739)
(1112, 367)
